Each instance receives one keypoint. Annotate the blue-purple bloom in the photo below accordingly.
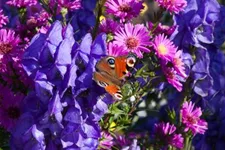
(66, 104)
(214, 105)
(219, 31)
(200, 72)
(83, 19)
(196, 24)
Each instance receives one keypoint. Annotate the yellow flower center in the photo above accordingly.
(162, 49)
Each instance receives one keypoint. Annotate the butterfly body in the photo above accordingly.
(111, 72)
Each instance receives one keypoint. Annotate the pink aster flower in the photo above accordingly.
(173, 6)
(178, 64)
(124, 9)
(133, 38)
(164, 48)
(109, 26)
(21, 3)
(10, 57)
(8, 41)
(165, 133)
(10, 107)
(191, 118)
(70, 4)
(3, 19)
(161, 29)
(106, 141)
(172, 77)
(115, 50)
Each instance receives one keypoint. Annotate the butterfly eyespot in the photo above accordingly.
(118, 96)
(111, 62)
(131, 61)
(102, 84)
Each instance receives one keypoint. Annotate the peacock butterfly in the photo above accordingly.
(111, 72)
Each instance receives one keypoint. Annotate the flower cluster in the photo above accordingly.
(124, 9)
(165, 133)
(68, 108)
(168, 53)
(3, 19)
(191, 120)
(173, 6)
(94, 74)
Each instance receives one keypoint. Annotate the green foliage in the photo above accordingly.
(4, 138)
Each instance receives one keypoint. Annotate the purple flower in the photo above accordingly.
(191, 118)
(83, 19)
(37, 21)
(50, 53)
(178, 64)
(115, 50)
(10, 108)
(33, 138)
(124, 9)
(108, 26)
(219, 30)
(19, 3)
(133, 146)
(106, 141)
(166, 135)
(164, 48)
(214, 103)
(70, 4)
(161, 29)
(8, 41)
(172, 77)
(10, 57)
(173, 6)
(69, 100)
(3, 19)
(195, 25)
(213, 136)
(200, 73)
(133, 38)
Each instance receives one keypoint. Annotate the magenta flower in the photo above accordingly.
(21, 3)
(10, 57)
(106, 141)
(173, 6)
(161, 29)
(191, 118)
(164, 48)
(165, 133)
(109, 26)
(178, 64)
(115, 50)
(133, 38)
(172, 77)
(70, 4)
(3, 19)
(124, 9)
(8, 41)
(10, 108)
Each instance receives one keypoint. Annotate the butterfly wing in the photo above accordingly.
(111, 71)
(111, 86)
(116, 66)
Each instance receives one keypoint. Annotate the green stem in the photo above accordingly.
(190, 144)
(99, 7)
(186, 146)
